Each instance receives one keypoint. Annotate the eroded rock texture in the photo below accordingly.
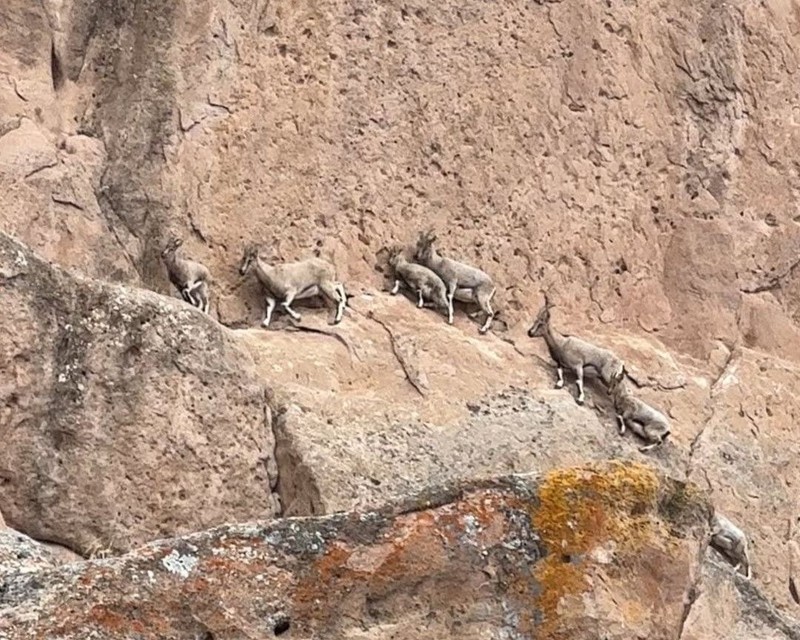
(581, 550)
(125, 416)
(634, 159)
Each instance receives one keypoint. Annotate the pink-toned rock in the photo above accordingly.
(613, 548)
(124, 416)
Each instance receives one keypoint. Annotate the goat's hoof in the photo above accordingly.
(579, 401)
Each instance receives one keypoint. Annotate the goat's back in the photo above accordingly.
(464, 275)
(310, 270)
(413, 272)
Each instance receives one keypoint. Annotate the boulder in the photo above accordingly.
(124, 415)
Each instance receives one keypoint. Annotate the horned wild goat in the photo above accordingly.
(646, 422)
(573, 353)
(731, 542)
(189, 277)
(424, 282)
(457, 277)
(294, 281)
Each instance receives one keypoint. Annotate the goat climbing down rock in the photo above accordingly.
(573, 353)
(457, 277)
(646, 422)
(731, 542)
(189, 277)
(424, 282)
(294, 281)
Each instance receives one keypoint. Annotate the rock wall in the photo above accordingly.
(635, 159)
(492, 560)
(125, 416)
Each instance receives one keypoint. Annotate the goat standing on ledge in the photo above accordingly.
(457, 276)
(573, 353)
(189, 277)
(294, 281)
(646, 422)
(731, 542)
(424, 282)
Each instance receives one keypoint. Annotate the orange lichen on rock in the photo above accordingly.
(580, 507)
(582, 510)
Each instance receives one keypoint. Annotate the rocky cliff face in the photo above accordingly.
(634, 159)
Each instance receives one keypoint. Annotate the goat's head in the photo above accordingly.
(248, 258)
(424, 248)
(396, 253)
(616, 380)
(539, 325)
(171, 247)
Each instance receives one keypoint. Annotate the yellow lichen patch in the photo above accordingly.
(580, 507)
(580, 510)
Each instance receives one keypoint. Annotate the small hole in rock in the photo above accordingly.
(281, 626)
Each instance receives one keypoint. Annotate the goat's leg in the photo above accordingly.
(201, 291)
(621, 424)
(579, 374)
(334, 293)
(560, 373)
(395, 288)
(451, 291)
(187, 296)
(271, 302)
(287, 302)
(343, 300)
(485, 303)
(649, 447)
(191, 293)
(421, 302)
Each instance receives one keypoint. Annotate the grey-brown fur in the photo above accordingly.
(731, 542)
(424, 282)
(294, 281)
(189, 277)
(645, 421)
(573, 353)
(457, 277)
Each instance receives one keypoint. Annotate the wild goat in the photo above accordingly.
(294, 281)
(423, 281)
(573, 353)
(646, 422)
(189, 277)
(457, 276)
(731, 542)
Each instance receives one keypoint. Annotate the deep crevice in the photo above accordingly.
(56, 69)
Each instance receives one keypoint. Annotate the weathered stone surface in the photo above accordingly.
(580, 551)
(732, 609)
(400, 410)
(123, 416)
(636, 160)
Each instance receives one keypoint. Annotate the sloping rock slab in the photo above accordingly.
(609, 548)
(124, 416)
